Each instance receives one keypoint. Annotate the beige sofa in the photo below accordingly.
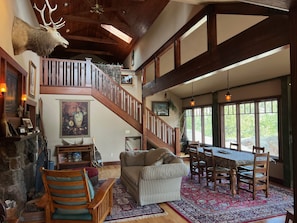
(152, 176)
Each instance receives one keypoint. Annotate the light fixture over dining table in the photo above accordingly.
(228, 95)
(192, 102)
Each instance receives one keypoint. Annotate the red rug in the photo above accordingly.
(201, 204)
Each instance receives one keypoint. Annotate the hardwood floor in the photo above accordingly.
(172, 217)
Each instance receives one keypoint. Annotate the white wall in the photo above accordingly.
(21, 9)
(173, 17)
(108, 130)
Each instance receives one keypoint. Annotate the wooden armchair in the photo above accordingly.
(70, 197)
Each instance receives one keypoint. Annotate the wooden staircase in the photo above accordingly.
(75, 77)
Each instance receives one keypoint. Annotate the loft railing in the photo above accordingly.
(85, 74)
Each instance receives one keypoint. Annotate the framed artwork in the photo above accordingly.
(32, 79)
(126, 79)
(160, 108)
(74, 118)
(27, 123)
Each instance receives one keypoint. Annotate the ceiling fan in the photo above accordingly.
(97, 8)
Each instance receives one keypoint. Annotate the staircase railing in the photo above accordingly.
(61, 74)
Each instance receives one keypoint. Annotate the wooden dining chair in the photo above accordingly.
(234, 146)
(258, 149)
(197, 165)
(257, 178)
(215, 173)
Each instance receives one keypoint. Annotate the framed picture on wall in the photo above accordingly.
(126, 79)
(75, 120)
(27, 123)
(32, 79)
(160, 108)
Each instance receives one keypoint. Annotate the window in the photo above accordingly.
(198, 124)
(252, 123)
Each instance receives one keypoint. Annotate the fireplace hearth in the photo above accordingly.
(17, 167)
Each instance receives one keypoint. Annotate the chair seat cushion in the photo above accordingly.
(77, 217)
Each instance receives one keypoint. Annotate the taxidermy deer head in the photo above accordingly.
(41, 40)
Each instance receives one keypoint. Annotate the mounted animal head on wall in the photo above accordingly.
(41, 40)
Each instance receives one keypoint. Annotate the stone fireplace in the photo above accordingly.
(17, 167)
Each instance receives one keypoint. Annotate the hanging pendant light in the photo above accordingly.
(228, 95)
(192, 102)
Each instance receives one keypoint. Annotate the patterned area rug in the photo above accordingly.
(201, 204)
(126, 209)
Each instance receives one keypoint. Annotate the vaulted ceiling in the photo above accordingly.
(83, 25)
(134, 17)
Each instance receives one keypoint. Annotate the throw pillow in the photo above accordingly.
(154, 155)
(168, 158)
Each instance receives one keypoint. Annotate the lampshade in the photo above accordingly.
(3, 87)
(192, 102)
(24, 97)
(228, 96)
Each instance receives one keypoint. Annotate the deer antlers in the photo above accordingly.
(56, 25)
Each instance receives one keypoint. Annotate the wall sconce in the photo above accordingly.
(192, 102)
(3, 88)
(228, 95)
(24, 97)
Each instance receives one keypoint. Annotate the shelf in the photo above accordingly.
(67, 152)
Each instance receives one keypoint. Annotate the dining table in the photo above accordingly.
(231, 159)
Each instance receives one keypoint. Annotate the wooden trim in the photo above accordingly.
(267, 35)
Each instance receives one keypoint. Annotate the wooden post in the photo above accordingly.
(293, 59)
(88, 73)
(144, 123)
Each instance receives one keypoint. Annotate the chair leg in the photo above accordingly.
(289, 216)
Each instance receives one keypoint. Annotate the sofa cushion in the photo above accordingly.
(154, 155)
(133, 158)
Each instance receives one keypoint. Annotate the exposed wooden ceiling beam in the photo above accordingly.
(95, 52)
(90, 39)
(269, 34)
(239, 8)
(98, 22)
(276, 4)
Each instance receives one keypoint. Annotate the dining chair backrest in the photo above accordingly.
(234, 146)
(258, 149)
(208, 157)
(193, 144)
(261, 163)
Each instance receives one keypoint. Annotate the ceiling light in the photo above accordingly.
(117, 32)
(228, 95)
(192, 102)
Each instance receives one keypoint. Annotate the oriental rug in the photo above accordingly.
(126, 209)
(202, 204)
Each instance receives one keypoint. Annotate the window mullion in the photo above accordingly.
(257, 127)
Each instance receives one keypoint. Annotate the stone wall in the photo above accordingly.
(17, 168)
